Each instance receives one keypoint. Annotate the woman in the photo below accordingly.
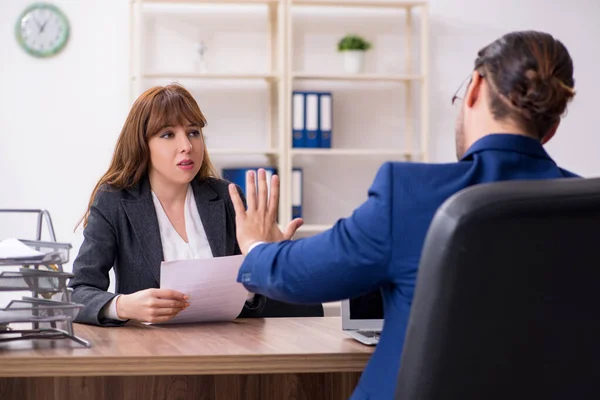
(160, 200)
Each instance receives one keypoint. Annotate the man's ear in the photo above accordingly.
(474, 90)
(550, 133)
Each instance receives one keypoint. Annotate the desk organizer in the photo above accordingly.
(39, 315)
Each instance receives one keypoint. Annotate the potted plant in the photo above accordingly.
(353, 47)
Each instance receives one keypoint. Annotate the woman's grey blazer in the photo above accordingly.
(122, 233)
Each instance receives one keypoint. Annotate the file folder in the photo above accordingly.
(297, 192)
(312, 120)
(325, 119)
(298, 120)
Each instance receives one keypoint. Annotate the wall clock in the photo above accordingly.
(42, 30)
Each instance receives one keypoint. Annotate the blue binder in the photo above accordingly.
(298, 119)
(297, 192)
(325, 119)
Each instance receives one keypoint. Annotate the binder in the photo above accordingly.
(298, 119)
(297, 195)
(312, 120)
(325, 119)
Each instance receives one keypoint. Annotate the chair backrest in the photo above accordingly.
(507, 302)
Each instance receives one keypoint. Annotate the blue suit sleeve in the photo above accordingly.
(349, 259)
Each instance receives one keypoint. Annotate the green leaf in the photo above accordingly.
(353, 42)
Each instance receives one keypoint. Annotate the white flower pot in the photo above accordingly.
(354, 61)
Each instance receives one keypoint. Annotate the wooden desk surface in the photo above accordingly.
(244, 346)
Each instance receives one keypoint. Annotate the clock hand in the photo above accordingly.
(38, 24)
(44, 25)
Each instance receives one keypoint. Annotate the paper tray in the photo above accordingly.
(54, 253)
(34, 310)
(38, 281)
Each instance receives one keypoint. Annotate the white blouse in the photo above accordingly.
(173, 245)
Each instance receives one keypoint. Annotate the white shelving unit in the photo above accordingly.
(407, 80)
(281, 75)
(361, 77)
(351, 152)
(266, 77)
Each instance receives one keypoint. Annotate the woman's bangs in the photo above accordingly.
(172, 109)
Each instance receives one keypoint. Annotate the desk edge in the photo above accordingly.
(181, 365)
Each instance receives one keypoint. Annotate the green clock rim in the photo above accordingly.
(61, 44)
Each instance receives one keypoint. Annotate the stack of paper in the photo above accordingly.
(14, 249)
(214, 294)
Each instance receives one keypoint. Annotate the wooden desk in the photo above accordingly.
(291, 358)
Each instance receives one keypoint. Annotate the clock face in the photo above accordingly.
(42, 30)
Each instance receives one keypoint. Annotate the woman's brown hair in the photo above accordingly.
(157, 107)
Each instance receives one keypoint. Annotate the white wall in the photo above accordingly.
(461, 27)
(60, 117)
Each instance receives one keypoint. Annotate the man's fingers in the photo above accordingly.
(274, 197)
(238, 204)
(262, 190)
(292, 228)
(251, 190)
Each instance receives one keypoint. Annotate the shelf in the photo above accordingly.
(242, 2)
(359, 3)
(322, 3)
(352, 152)
(276, 77)
(231, 76)
(231, 152)
(357, 77)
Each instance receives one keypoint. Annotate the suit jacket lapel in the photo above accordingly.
(142, 216)
(213, 215)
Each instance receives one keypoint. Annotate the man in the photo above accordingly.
(513, 105)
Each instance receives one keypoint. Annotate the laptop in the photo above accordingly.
(362, 317)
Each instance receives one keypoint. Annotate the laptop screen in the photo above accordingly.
(367, 306)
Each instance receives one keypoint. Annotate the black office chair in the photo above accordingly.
(507, 302)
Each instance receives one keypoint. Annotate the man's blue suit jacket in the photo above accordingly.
(379, 245)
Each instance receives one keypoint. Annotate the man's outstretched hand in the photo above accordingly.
(259, 222)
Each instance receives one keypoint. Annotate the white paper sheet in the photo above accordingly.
(14, 249)
(214, 294)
